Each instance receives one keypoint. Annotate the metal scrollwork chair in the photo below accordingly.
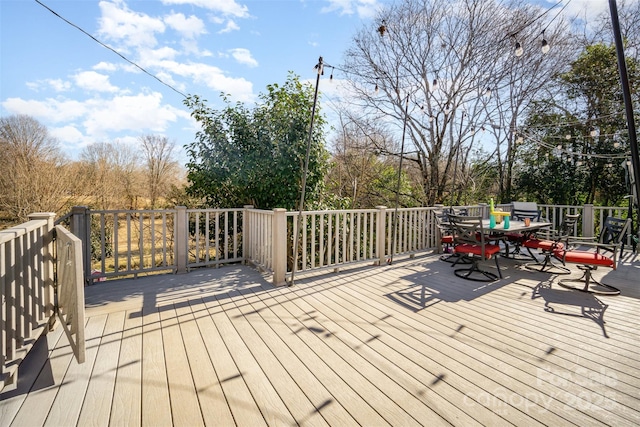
(472, 243)
(447, 236)
(604, 253)
(519, 212)
(548, 246)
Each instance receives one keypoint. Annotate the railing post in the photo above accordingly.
(81, 228)
(381, 237)
(181, 240)
(47, 268)
(279, 248)
(588, 223)
(247, 249)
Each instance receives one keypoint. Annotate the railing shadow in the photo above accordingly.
(150, 293)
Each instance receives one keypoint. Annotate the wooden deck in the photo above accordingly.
(406, 344)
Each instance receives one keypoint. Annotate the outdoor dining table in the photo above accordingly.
(514, 227)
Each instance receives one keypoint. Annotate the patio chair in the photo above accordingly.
(473, 243)
(520, 211)
(446, 236)
(603, 253)
(548, 246)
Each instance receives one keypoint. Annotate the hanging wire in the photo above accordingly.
(111, 49)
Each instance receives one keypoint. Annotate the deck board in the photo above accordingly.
(402, 344)
(97, 402)
(127, 394)
(156, 403)
(68, 403)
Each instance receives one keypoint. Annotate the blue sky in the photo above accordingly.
(85, 93)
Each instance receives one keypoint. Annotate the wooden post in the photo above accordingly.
(181, 245)
(81, 227)
(588, 221)
(247, 250)
(47, 267)
(380, 234)
(279, 248)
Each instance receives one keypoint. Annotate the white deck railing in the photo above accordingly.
(181, 239)
(129, 243)
(26, 289)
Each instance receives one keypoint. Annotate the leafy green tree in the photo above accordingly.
(576, 143)
(256, 156)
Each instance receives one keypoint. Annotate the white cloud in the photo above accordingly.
(189, 28)
(100, 118)
(364, 8)
(68, 135)
(213, 77)
(131, 113)
(120, 24)
(227, 7)
(243, 56)
(50, 110)
(93, 81)
(231, 26)
(151, 56)
(58, 85)
(105, 66)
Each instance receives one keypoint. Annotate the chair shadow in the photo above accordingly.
(432, 285)
(561, 301)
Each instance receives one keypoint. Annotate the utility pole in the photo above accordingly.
(628, 103)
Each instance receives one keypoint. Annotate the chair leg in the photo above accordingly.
(454, 258)
(546, 266)
(468, 273)
(589, 283)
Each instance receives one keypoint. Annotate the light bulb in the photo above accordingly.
(579, 163)
(519, 140)
(519, 50)
(616, 144)
(434, 85)
(567, 137)
(487, 92)
(545, 46)
(377, 89)
(593, 132)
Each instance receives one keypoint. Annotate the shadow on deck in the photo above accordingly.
(405, 344)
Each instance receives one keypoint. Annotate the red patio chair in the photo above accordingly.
(603, 253)
(446, 237)
(520, 211)
(473, 243)
(548, 246)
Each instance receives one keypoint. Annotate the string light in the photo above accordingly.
(545, 45)
(382, 29)
(519, 50)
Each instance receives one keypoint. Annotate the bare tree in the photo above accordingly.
(160, 165)
(34, 175)
(110, 169)
(451, 67)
